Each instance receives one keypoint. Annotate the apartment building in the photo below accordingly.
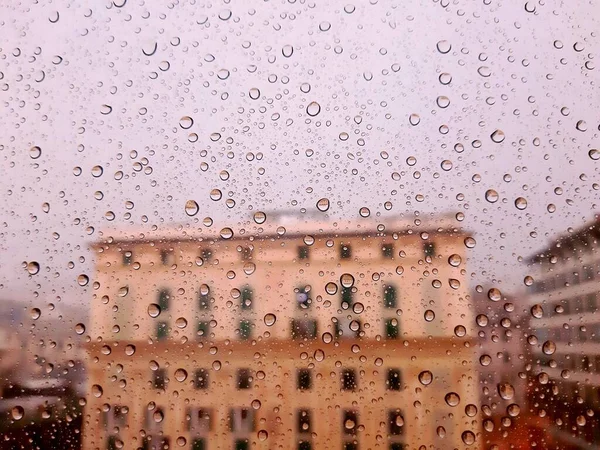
(564, 340)
(304, 334)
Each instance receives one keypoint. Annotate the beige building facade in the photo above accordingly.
(349, 335)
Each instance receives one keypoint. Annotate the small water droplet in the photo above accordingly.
(191, 208)
(260, 217)
(17, 412)
(186, 122)
(181, 375)
(254, 93)
(129, 349)
(270, 319)
(452, 399)
(83, 280)
(80, 328)
(226, 233)
(287, 50)
(97, 390)
(364, 212)
(414, 119)
(33, 267)
(153, 310)
(549, 347)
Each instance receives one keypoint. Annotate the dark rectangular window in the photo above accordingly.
(389, 296)
(429, 249)
(397, 446)
(303, 252)
(244, 379)
(345, 251)
(245, 329)
(303, 419)
(391, 329)
(588, 273)
(304, 445)
(591, 302)
(349, 422)
(159, 379)
(395, 422)
(206, 254)
(204, 297)
(164, 257)
(387, 251)
(246, 253)
(347, 330)
(164, 295)
(347, 300)
(198, 444)
(241, 420)
(242, 444)
(348, 380)
(304, 379)
(127, 258)
(202, 331)
(394, 380)
(247, 297)
(304, 328)
(111, 443)
(350, 446)
(201, 379)
(162, 331)
(200, 421)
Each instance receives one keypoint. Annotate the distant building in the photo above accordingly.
(308, 335)
(564, 340)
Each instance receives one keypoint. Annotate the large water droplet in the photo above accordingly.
(491, 196)
(181, 375)
(452, 399)
(35, 152)
(153, 310)
(313, 109)
(520, 203)
(97, 390)
(549, 347)
(506, 391)
(191, 208)
(444, 47)
(17, 412)
(83, 280)
(33, 267)
(186, 122)
(425, 377)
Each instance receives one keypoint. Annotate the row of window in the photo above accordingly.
(304, 379)
(299, 329)
(303, 253)
(302, 294)
(581, 333)
(574, 361)
(587, 273)
(200, 422)
(577, 305)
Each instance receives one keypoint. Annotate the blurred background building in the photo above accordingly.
(563, 341)
(307, 335)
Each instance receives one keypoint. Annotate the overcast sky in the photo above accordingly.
(92, 84)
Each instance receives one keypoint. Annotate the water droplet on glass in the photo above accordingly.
(443, 101)
(454, 260)
(549, 347)
(594, 154)
(153, 310)
(520, 203)
(17, 412)
(460, 331)
(444, 47)
(494, 294)
(445, 78)
(130, 349)
(35, 152)
(33, 267)
(491, 196)
(484, 71)
(506, 391)
(260, 217)
(181, 375)
(226, 233)
(364, 212)
(497, 136)
(83, 280)
(425, 377)
(287, 50)
(186, 122)
(313, 109)
(80, 328)
(331, 288)
(429, 315)
(223, 74)
(97, 390)
(263, 435)
(452, 399)
(323, 204)
(581, 125)
(347, 280)
(414, 119)
(254, 93)
(35, 313)
(270, 319)
(191, 208)
(468, 437)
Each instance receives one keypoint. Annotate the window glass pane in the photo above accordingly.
(299, 224)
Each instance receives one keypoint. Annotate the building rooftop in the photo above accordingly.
(287, 225)
(567, 243)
